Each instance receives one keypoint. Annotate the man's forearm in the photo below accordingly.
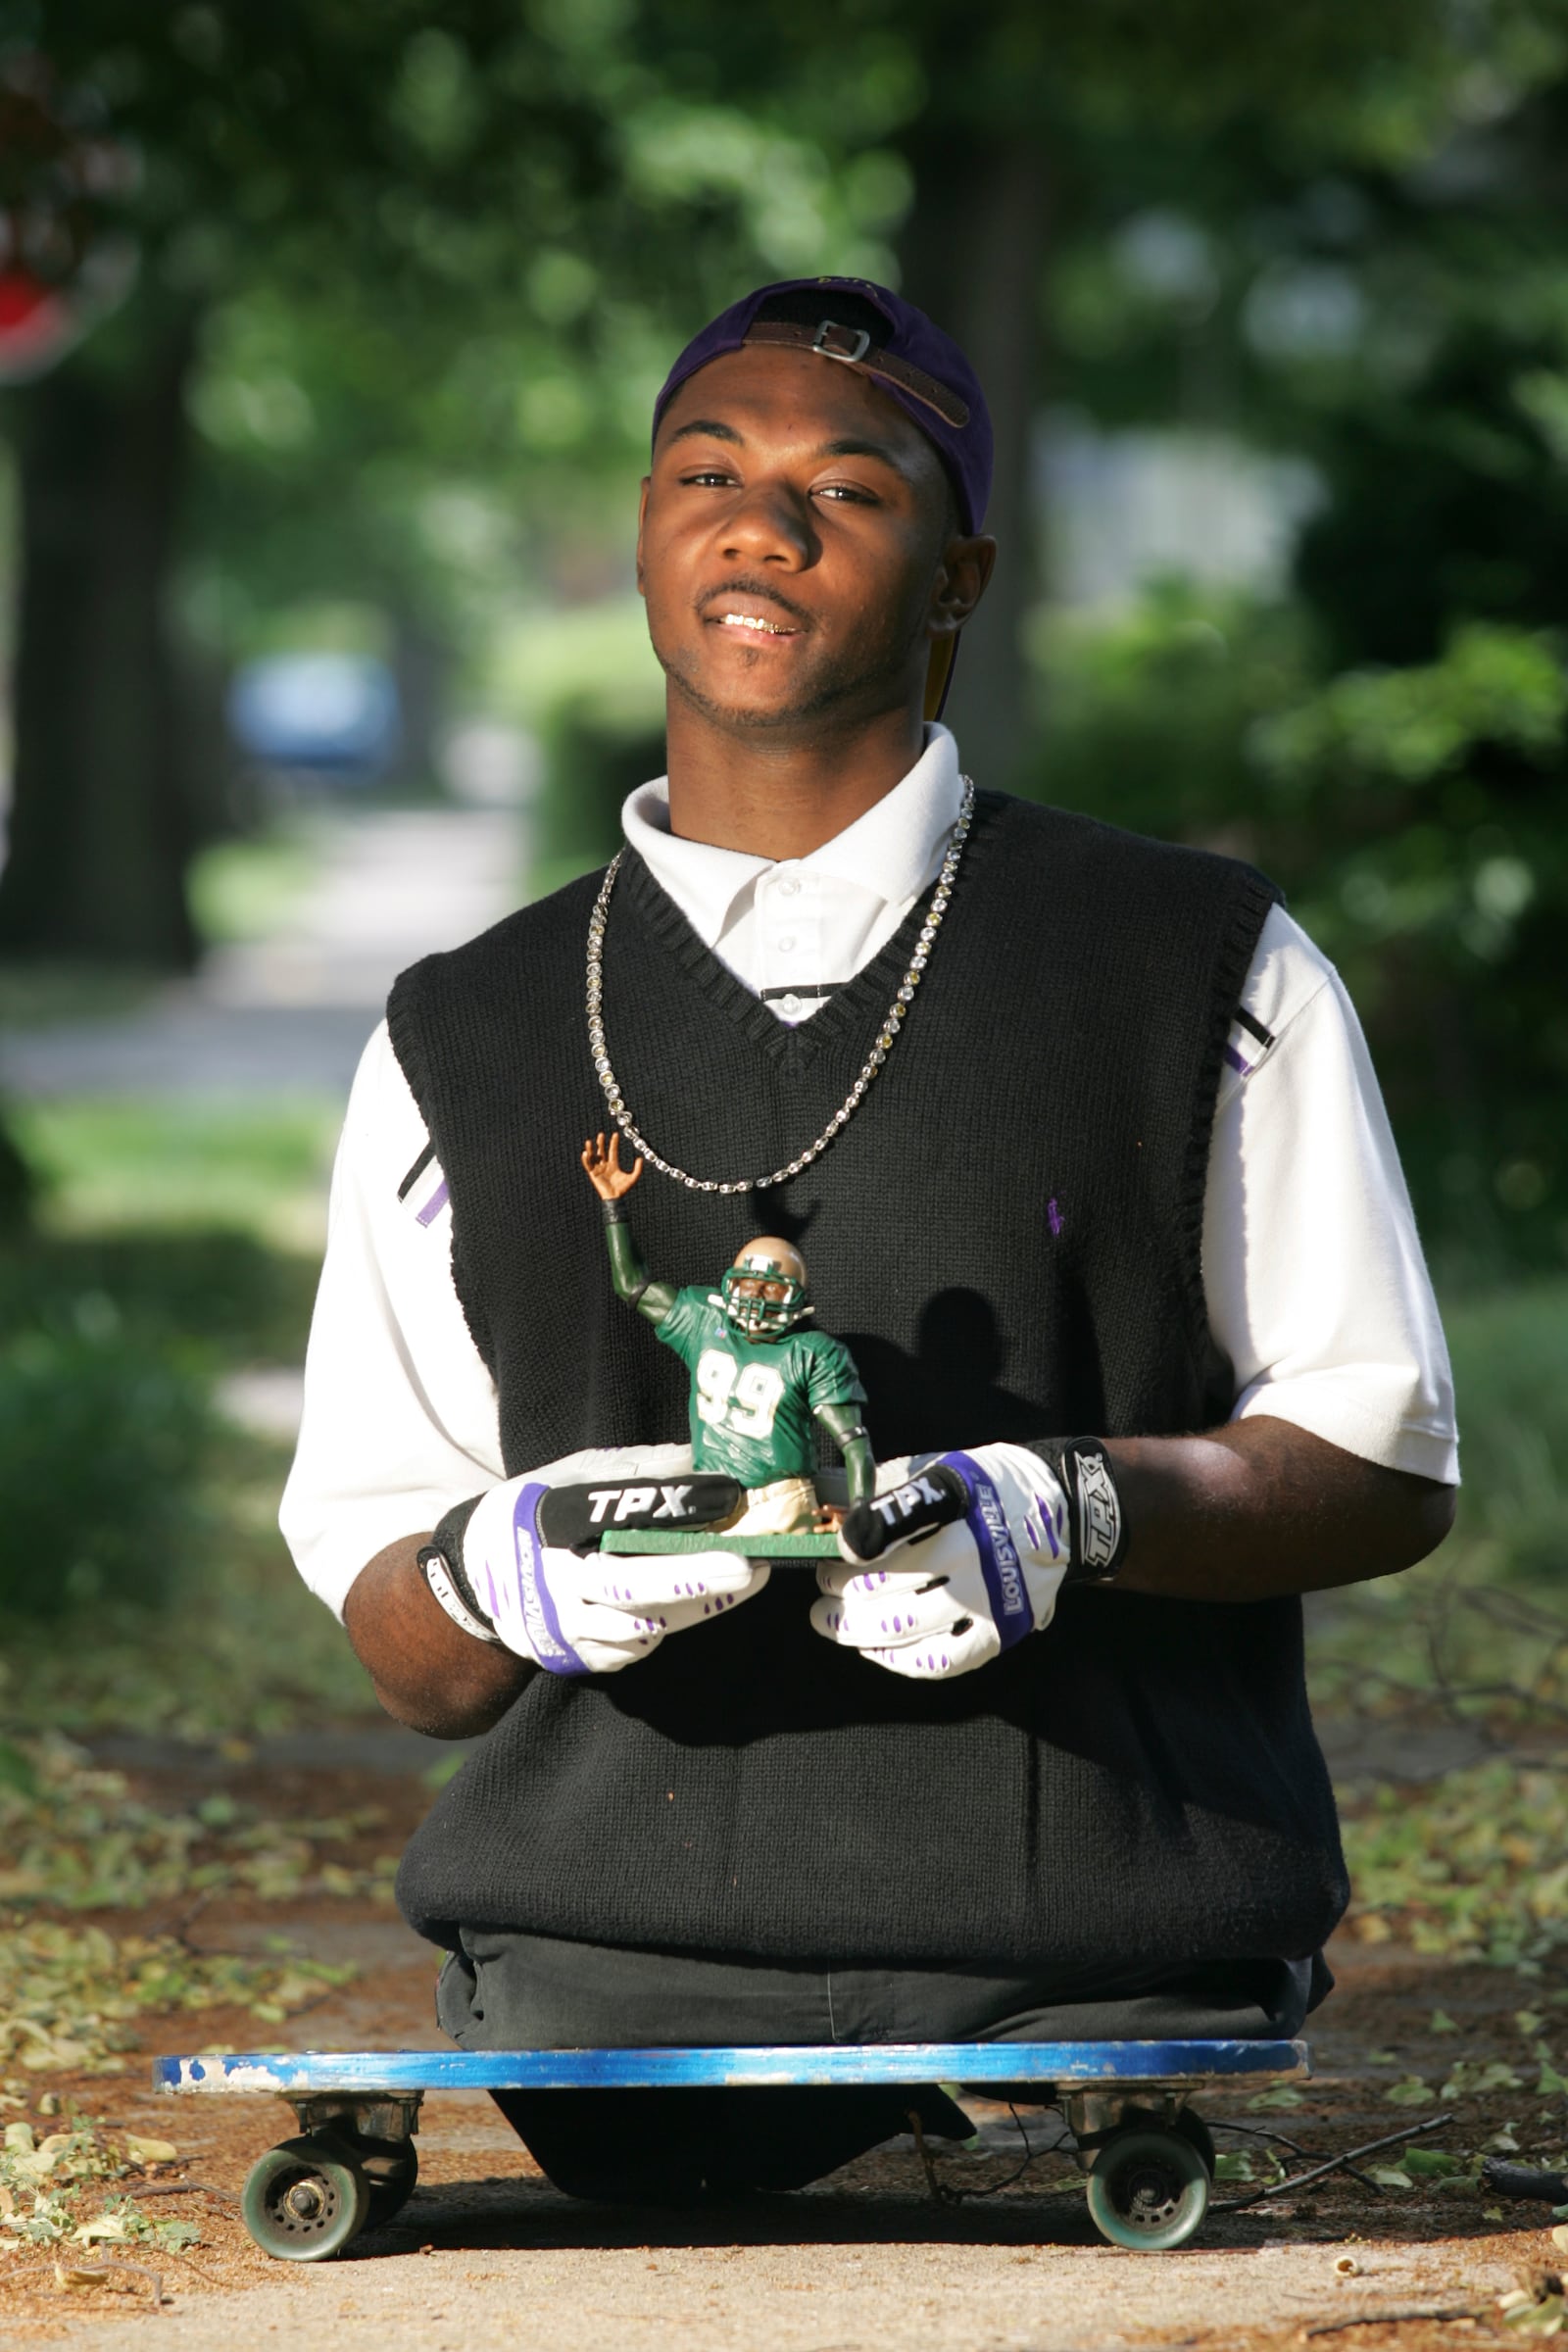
(1261, 1508)
(428, 1672)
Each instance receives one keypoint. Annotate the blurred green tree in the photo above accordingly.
(1394, 746)
(399, 272)
(306, 144)
(1021, 129)
(383, 252)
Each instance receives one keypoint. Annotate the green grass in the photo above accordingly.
(242, 1650)
(39, 996)
(166, 1252)
(219, 1298)
(243, 890)
(112, 1166)
(1510, 1361)
(1482, 1628)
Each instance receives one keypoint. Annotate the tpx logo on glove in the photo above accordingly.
(906, 1514)
(904, 1503)
(1099, 1522)
(674, 1503)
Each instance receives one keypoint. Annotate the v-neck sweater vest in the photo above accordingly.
(1007, 1237)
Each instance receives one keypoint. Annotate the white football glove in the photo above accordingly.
(573, 1614)
(960, 1595)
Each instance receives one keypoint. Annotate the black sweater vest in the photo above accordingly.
(1007, 1235)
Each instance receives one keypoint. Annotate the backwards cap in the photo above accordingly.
(866, 326)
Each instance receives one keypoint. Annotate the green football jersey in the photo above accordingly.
(753, 1399)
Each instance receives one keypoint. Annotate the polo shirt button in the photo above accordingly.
(789, 888)
(792, 1004)
(786, 943)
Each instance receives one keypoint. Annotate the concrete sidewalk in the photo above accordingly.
(290, 1012)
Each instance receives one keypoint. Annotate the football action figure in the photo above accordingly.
(760, 1375)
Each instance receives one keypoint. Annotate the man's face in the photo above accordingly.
(797, 542)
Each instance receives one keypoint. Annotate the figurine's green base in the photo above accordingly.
(752, 1547)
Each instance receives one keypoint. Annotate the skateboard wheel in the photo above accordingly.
(306, 2199)
(391, 2170)
(1148, 2190)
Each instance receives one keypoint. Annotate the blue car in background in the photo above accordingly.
(324, 713)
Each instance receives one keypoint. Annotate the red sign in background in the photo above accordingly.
(65, 258)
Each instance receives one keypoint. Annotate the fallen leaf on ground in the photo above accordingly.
(121, 2277)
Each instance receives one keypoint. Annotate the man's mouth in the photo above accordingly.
(750, 612)
(757, 624)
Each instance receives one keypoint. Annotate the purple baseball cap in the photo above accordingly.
(870, 327)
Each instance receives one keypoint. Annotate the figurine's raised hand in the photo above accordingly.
(606, 1174)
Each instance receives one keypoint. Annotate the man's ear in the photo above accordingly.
(642, 517)
(966, 566)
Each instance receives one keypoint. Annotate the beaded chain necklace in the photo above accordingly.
(892, 1022)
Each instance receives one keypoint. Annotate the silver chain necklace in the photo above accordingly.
(892, 1022)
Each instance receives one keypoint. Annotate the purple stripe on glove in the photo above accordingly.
(541, 1625)
(987, 1521)
(550, 1647)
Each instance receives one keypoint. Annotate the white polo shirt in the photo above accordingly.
(1313, 1276)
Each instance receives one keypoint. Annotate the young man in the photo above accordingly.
(1082, 1137)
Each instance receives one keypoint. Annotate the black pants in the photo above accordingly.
(508, 1990)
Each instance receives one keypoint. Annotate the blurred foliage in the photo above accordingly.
(75, 1839)
(1473, 1868)
(1416, 819)
(38, 995)
(432, 268)
(19, 1185)
(586, 685)
(244, 1653)
(594, 756)
(70, 1995)
(110, 1448)
(1477, 1636)
(103, 1447)
(1473, 1642)
(150, 1271)
(1510, 1361)
(1390, 742)
(188, 1178)
(218, 1297)
(1148, 712)
(244, 889)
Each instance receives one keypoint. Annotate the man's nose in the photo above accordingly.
(770, 523)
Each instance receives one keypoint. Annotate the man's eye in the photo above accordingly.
(847, 494)
(701, 482)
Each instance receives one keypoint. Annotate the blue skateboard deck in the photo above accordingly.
(1080, 2065)
(354, 2164)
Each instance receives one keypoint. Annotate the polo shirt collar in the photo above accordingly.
(888, 854)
